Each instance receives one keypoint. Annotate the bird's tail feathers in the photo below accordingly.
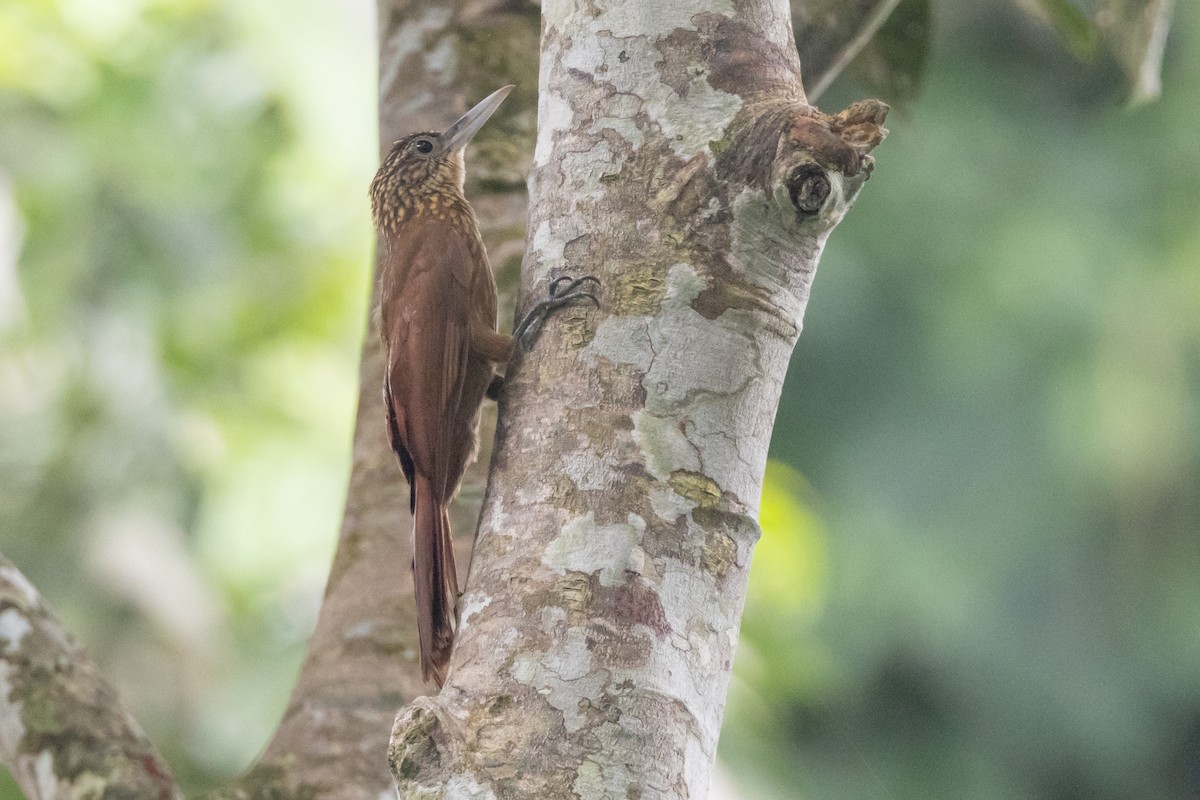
(435, 581)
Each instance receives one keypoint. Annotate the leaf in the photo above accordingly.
(1070, 23)
(823, 27)
(830, 33)
(1136, 31)
(892, 65)
(789, 572)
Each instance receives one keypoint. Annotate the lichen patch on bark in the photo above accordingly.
(12, 729)
(698, 488)
(611, 551)
(13, 628)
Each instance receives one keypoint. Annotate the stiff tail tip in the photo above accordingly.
(435, 582)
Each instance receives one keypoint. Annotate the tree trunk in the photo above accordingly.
(677, 161)
(435, 60)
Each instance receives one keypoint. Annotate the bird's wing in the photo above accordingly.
(425, 312)
(397, 441)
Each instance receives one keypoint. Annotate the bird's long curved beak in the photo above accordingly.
(458, 134)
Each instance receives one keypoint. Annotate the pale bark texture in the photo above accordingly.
(677, 161)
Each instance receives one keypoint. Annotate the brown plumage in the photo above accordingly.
(438, 315)
(437, 301)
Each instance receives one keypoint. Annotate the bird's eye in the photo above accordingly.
(423, 146)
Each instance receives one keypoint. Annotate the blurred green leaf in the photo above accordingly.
(180, 317)
(1070, 23)
(830, 33)
(892, 65)
(789, 568)
(1136, 31)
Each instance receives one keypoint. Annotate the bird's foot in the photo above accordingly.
(563, 291)
(495, 388)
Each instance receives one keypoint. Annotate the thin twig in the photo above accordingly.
(853, 48)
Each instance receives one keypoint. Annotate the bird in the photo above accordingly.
(438, 323)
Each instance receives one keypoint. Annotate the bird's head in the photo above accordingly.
(429, 163)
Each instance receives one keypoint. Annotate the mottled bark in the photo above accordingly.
(63, 732)
(678, 161)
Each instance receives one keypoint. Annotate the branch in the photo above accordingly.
(63, 733)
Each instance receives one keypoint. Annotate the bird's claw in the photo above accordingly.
(572, 284)
(563, 291)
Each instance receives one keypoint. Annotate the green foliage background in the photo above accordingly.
(979, 573)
